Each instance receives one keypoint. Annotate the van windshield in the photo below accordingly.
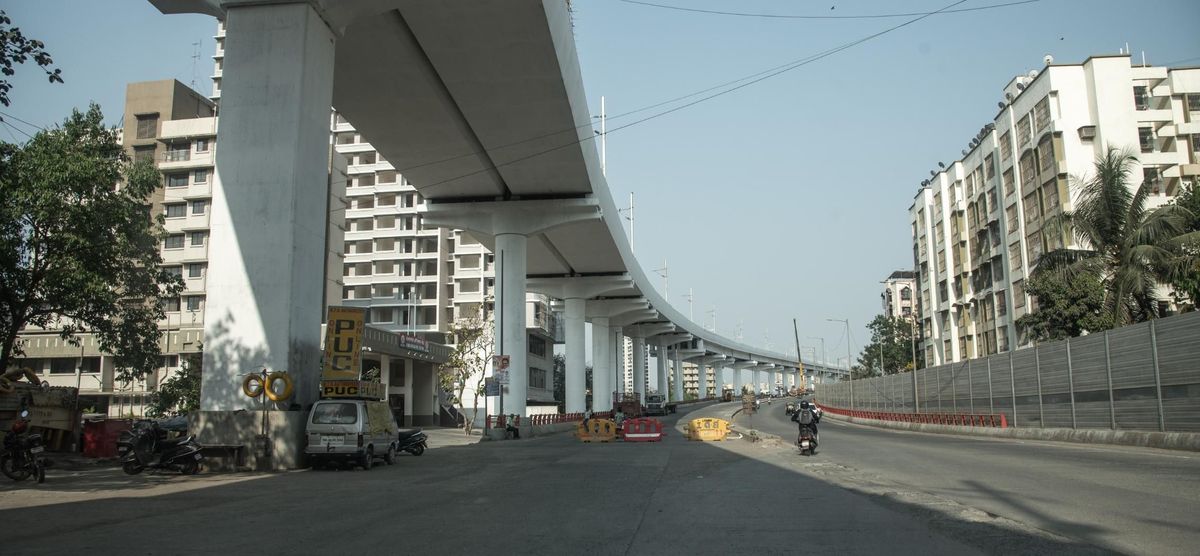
(338, 413)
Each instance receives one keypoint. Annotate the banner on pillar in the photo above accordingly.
(343, 343)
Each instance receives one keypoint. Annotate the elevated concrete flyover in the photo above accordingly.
(480, 105)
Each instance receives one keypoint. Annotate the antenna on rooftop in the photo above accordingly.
(195, 59)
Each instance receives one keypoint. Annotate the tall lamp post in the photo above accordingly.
(849, 373)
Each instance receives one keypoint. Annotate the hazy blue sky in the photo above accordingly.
(787, 199)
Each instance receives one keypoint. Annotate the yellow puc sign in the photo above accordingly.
(343, 343)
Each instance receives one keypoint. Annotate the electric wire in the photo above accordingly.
(35, 126)
(785, 68)
(786, 16)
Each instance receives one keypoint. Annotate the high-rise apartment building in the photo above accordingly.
(173, 126)
(899, 295)
(978, 222)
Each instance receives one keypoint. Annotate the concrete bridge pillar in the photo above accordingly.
(678, 386)
(602, 353)
(639, 368)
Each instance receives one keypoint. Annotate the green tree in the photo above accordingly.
(1065, 309)
(463, 373)
(891, 338)
(78, 250)
(180, 394)
(1184, 276)
(16, 48)
(1125, 246)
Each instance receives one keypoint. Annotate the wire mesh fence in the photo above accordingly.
(1140, 377)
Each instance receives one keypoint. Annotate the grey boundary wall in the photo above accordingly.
(1144, 377)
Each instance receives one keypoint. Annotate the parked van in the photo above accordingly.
(350, 431)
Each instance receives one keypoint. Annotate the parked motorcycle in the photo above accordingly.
(807, 441)
(413, 442)
(22, 456)
(146, 446)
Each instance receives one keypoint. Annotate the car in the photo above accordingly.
(352, 432)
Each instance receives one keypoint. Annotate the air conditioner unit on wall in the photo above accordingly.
(1087, 132)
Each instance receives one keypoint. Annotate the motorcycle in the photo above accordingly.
(807, 441)
(22, 456)
(413, 442)
(146, 446)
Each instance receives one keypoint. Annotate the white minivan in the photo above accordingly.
(354, 432)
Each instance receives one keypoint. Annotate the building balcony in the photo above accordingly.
(193, 285)
(189, 128)
(350, 148)
(193, 191)
(185, 160)
(342, 127)
(185, 255)
(191, 222)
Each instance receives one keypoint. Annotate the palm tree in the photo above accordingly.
(1130, 249)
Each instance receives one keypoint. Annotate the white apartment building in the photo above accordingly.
(899, 295)
(977, 223)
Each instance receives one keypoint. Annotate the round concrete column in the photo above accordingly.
(678, 377)
(639, 368)
(661, 359)
(602, 370)
(575, 387)
(511, 337)
(618, 361)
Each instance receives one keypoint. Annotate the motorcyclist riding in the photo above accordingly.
(807, 416)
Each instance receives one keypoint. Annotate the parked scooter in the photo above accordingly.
(146, 446)
(22, 456)
(413, 442)
(807, 441)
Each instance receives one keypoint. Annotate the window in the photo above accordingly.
(178, 210)
(1024, 132)
(1011, 217)
(143, 154)
(195, 302)
(388, 176)
(173, 270)
(1028, 171)
(366, 179)
(1046, 154)
(1019, 293)
(1193, 102)
(537, 346)
(90, 365)
(200, 176)
(198, 238)
(174, 241)
(195, 270)
(1032, 208)
(1041, 113)
(147, 126)
(177, 180)
(198, 207)
(1014, 257)
(335, 413)
(1196, 143)
(905, 293)
(1009, 184)
(537, 378)
(178, 153)
(1146, 139)
(1005, 146)
(1152, 176)
(942, 291)
(171, 304)
(1033, 244)
(989, 166)
(62, 365)
(1141, 98)
(201, 145)
(1050, 195)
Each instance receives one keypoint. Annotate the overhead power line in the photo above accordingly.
(825, 16)
(760, 77)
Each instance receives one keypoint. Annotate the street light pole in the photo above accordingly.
(822, 348)
(849, 372)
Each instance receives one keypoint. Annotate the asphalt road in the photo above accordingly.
(1130, 500)
(546, 495)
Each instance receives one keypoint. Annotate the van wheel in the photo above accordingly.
(390, 458)
(368, 459)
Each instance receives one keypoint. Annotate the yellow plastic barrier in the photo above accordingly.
(597, 430)
(707, 429)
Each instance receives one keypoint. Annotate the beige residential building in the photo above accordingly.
(978, 222)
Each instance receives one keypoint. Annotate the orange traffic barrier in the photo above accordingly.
(596, 430)
(707, 429)
(642, 430)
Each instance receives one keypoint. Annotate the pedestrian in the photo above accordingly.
(510, 428)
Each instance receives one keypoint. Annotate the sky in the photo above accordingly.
(787, 199)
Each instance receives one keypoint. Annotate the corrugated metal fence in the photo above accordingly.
(1140, 377)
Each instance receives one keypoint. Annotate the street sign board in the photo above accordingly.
(343, 343)
(501, 376)
(491, 387)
